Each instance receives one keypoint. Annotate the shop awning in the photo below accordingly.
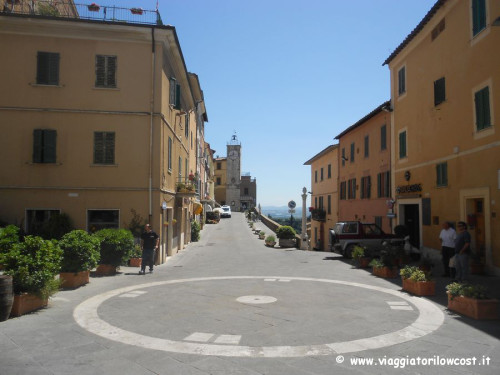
(197, 208)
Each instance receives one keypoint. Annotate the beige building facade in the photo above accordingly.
(446, 152)
(94, 122)
(324, 198)
(364, 165)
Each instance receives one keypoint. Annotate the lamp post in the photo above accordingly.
(304, 245)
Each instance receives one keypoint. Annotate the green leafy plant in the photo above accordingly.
(47, 10)
(407, 271)
(56, 227)
(419, 275)
(116, 245)
(467, 290)
(195, 231)
(377, 263)
(136, 252)
(33, 265)
(80, 251)
(8, 237)
(358, 252)
(270, 238)
(285, 232)
(262, 233)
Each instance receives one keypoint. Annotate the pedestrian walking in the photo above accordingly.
(149, 243)
(462, 251)
(447, 237)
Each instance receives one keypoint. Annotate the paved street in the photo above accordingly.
(230, 305)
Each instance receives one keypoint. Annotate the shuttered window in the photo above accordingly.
(439, 91)
(175, 94)
(343, 190)
(104, 148)
(44, 146)
(105, 71)
(365, 187)
(329, 171)
(478, 16)
(47, 72)
(170, 155)
(352, 152)
(329, 207)
(351, 189)
(402, 80)
(442, 174)
(383, 137)
(383, 185)
(367, 146)
(343, 157)
(186, 126)
(482, 104)
(402, 145)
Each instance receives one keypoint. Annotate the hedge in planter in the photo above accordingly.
(116, 246)
(471, 301)
(8, 237)
(80, 255)
(33, 265)
(417, 281)
(286, 235)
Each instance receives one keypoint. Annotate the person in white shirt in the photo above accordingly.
(447, 237)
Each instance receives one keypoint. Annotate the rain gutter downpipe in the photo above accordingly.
(153, 68)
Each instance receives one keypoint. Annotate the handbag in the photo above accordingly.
(452, 262)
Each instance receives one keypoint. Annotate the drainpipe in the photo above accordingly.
(153, 67)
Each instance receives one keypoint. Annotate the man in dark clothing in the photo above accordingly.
(149, 243)
(462, 251)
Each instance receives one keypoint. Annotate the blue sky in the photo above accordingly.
(286, 75)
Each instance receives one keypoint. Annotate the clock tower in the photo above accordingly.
(233, 180)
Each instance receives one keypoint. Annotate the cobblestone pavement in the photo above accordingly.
(229, 305)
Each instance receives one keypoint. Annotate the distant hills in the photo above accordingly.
(280, 211)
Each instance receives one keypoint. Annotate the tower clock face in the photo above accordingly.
(233, 154)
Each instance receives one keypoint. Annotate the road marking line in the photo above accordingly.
(133, 294)
(200, 337)
(397, 303)
(402, 308)
(430, 318)
(228, 339)
(269, 279)
(284, 280)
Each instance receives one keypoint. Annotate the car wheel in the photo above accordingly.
(348, 251)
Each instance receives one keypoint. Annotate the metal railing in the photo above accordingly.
(93, 11)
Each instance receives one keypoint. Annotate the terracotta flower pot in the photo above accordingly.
(74, 279)
(420, 288)
(363, 262)
(25, 303)
(135, 262)
(385, 272)
(480, 309)
(105, 270)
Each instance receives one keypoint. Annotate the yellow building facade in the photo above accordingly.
(324, 197)
(446, 151)
(94, 122)
(220, 178)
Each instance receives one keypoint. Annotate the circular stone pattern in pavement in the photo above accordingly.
(256, 300)
(429, 319)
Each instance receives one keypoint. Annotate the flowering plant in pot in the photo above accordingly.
(472, 301)
(80, 255)
(270, 240)
(359, 258)
(286, 235)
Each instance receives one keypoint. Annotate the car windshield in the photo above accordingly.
(225, 209)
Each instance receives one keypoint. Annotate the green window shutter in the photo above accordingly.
(343, 157)
(482, 103)
(47, 68)
(368, 187)
(100, 71)
(111, 71)
(352, 152)
(478, 16)
(383, 137)
(109, 154)
(402, 145)
(367, 146)
(439, 91)
(37, 145)
(387, 184)
(402, 80)
(173, 84)
(169, 153)
(442, 174)
(98, 148)
(177, 96)
(49, 146)
(379, 185)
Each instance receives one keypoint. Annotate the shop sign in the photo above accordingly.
(414, 188)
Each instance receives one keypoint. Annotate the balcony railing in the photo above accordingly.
(186, 185)
(318, 214)
(94, 11)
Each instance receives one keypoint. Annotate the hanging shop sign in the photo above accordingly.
(414, 188)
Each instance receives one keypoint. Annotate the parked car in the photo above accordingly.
(226, 211)
(347, 234)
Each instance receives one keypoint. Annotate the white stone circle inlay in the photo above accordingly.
(430, 318)
(256, 300)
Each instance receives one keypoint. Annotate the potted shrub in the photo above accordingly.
(116, 247)
(286, 235)
(359, 258)
(136, 257)
(471, 301)
(262, 235)
(80, 255)
(417, 281)
(93, 7)
(382, 270)
(270, 240)
(195, 231)
(33, 265)
(8, 237)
